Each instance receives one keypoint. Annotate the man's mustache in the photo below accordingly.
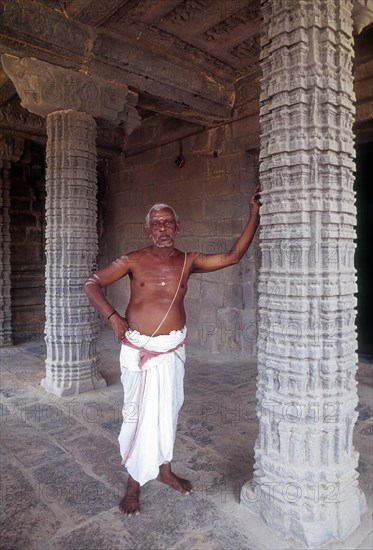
(158, 241)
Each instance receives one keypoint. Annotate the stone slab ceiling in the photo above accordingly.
(182, 57)
(219, 33)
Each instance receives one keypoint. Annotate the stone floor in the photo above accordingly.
(61, 469)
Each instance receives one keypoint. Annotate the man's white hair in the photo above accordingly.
(155, 208)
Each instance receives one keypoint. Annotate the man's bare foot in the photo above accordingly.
(167, 476)
(130, 502)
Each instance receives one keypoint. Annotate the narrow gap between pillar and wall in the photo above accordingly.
(363, 256)
(27, 230)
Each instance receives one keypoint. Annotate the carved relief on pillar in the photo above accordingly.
(11, 149)
(305, 481)
(45, 88)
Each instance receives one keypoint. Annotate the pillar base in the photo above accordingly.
(6, 343)
(76, 382)
(336, 520)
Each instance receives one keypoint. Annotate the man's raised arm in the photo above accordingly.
(203, 263)
(93, 288)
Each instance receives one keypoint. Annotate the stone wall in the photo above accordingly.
(211, 194)
(27, 227)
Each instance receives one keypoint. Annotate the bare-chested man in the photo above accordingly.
(159, 274)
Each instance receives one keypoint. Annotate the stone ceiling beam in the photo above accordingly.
(31, 29)
(93, 12)
(96, 13)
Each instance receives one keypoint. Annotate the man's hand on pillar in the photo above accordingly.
(255, 203)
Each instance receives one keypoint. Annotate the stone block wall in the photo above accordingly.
(211, 194)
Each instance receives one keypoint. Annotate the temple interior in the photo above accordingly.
(109, 107)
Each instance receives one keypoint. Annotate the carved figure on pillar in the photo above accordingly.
(70, 101)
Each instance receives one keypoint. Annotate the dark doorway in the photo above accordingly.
(364, 256)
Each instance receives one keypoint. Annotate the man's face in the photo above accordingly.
(163, 228)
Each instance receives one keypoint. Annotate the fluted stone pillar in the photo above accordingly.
(305, 484)
(70, 101)
(10, 150)
(71, 330)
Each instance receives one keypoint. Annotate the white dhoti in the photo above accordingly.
(153, 395)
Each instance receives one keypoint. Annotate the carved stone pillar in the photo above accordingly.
(72, 329)
(70, 100)
(10, 150)
(305, 483)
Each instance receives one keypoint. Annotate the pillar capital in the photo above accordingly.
(45, 88)
(362, 14)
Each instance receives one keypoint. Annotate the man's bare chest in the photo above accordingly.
(158, 276)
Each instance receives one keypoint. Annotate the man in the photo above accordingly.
(153, 335)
